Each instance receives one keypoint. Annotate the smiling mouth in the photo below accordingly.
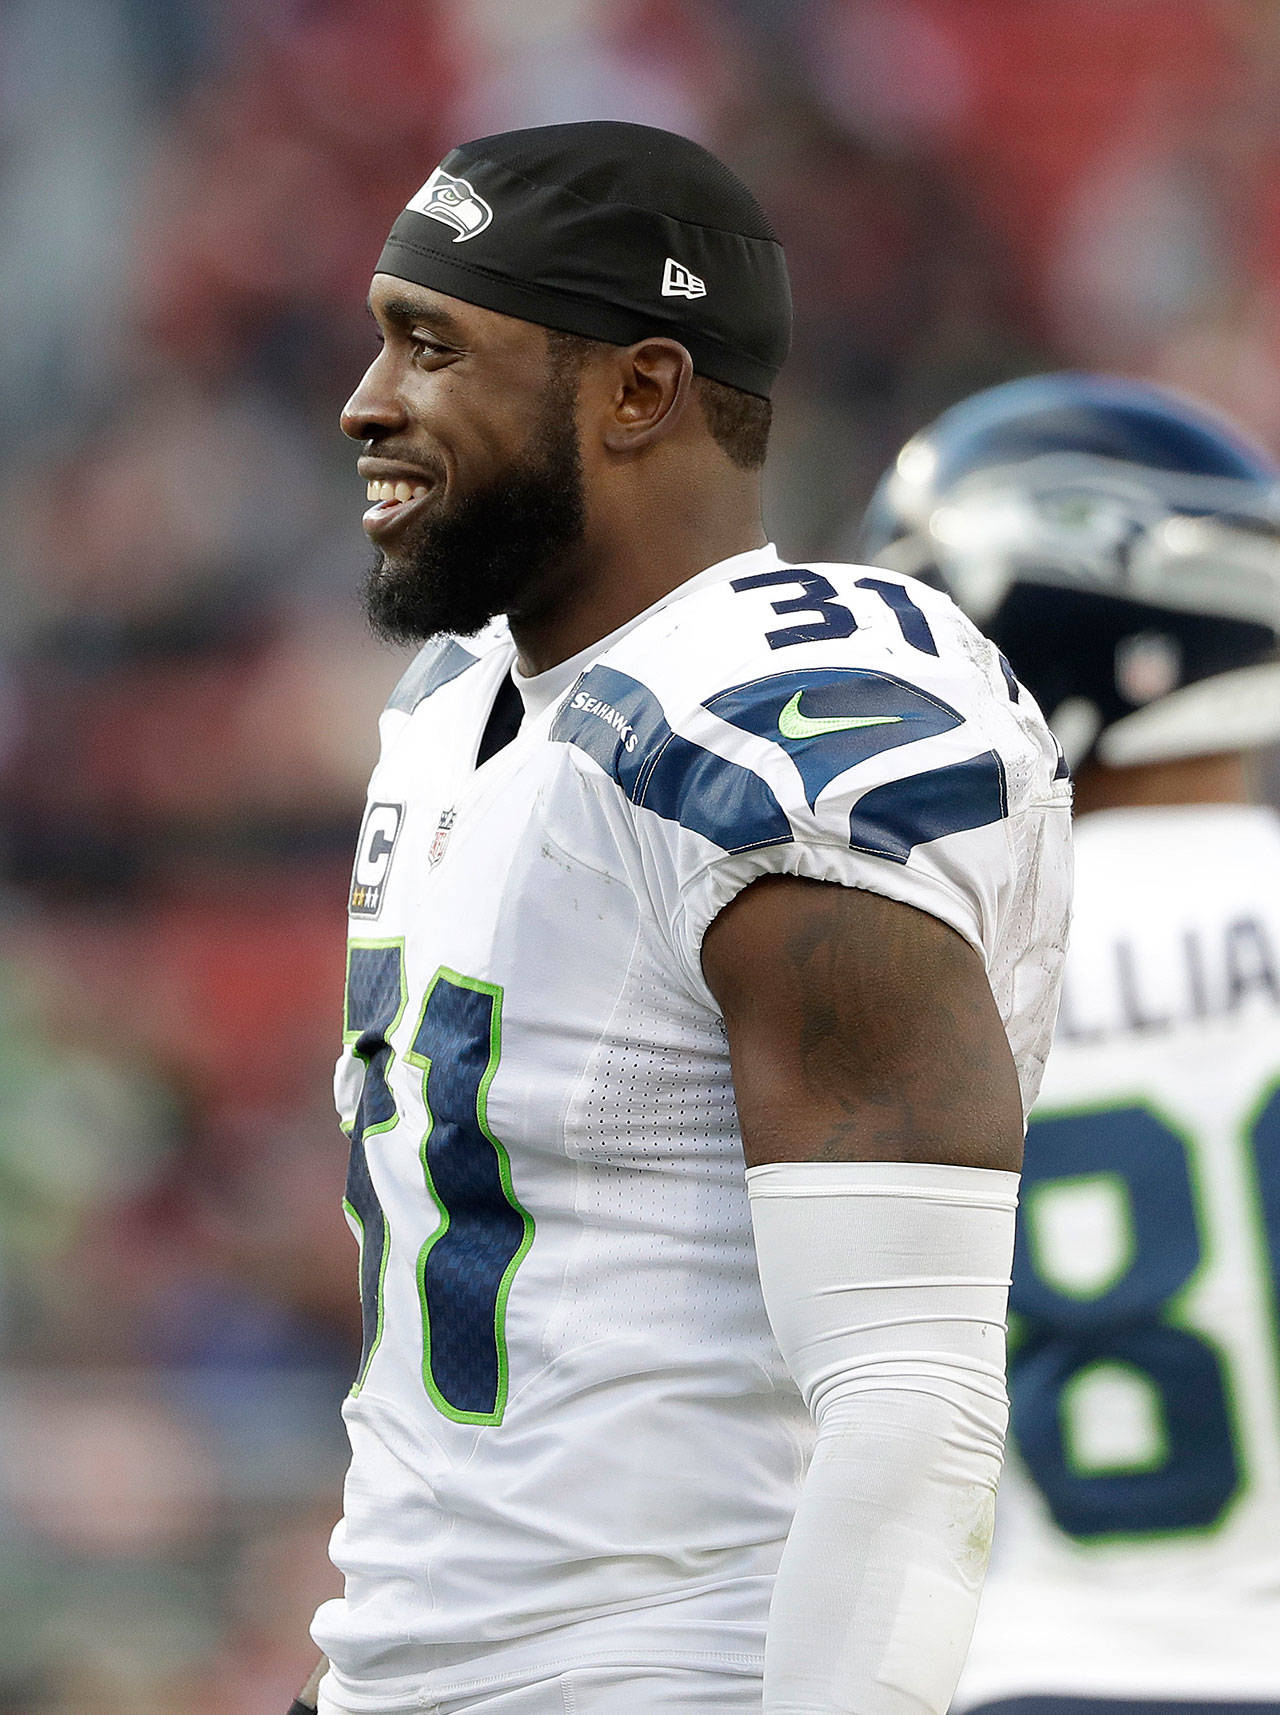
(393, 506)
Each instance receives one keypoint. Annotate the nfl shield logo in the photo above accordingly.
(1148, 665)
(440, 839)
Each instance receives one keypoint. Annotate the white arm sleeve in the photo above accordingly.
(886, 1284)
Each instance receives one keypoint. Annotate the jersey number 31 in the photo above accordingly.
(465, 1268)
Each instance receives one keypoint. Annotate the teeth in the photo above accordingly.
(400, 491)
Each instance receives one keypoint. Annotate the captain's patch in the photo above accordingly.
(374, 853)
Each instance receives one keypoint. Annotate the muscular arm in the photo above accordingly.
(882, 1128)
(860, 1030)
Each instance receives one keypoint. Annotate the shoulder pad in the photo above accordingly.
(620, 724)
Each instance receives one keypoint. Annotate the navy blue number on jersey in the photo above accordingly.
(1131, 1323)
(465, 1269)
(1266, 1152)
(375, 997)
(833, 617)
(830, 719)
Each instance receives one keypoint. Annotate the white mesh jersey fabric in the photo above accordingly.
(650, 1090)
(573, 1437)
(1138, 1526)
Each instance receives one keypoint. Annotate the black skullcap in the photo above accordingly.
(610, 230)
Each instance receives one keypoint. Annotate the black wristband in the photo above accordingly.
(297, 1708)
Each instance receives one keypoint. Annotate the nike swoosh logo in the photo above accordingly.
(792, 724)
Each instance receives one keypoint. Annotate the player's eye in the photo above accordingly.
(427, 349)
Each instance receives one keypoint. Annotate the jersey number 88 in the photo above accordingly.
(1101, 1362)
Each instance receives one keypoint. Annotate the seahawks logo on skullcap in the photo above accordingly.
(612, 231)
(454, 202)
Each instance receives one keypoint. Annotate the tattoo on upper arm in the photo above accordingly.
(900, 1053)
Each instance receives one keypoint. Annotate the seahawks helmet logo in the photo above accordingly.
(453, 202)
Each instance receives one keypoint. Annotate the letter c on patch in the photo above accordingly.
(376, 847)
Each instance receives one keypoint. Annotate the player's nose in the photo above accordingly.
(375, 408)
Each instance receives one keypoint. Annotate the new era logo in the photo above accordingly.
(678, 282)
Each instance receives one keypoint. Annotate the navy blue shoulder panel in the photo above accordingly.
(433, 666)
(1010, 677)
(620, 723)
(892, 819)
(830, 719)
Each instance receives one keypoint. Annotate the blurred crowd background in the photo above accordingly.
(192, 197)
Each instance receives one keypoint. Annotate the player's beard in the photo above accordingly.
(495, 550)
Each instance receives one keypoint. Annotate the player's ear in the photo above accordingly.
(654, 386)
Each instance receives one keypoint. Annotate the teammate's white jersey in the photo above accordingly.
(1138, 1525)
(573, 1437)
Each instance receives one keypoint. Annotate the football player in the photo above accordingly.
(1122, 546)
(676, 853)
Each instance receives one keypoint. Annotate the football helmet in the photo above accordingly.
(1119, 544)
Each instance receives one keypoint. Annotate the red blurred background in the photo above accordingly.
(193, 196)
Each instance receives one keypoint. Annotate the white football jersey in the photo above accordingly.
(1138, 1525)
(573, 1438)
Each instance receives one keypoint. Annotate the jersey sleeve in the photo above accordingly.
(852, 775)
